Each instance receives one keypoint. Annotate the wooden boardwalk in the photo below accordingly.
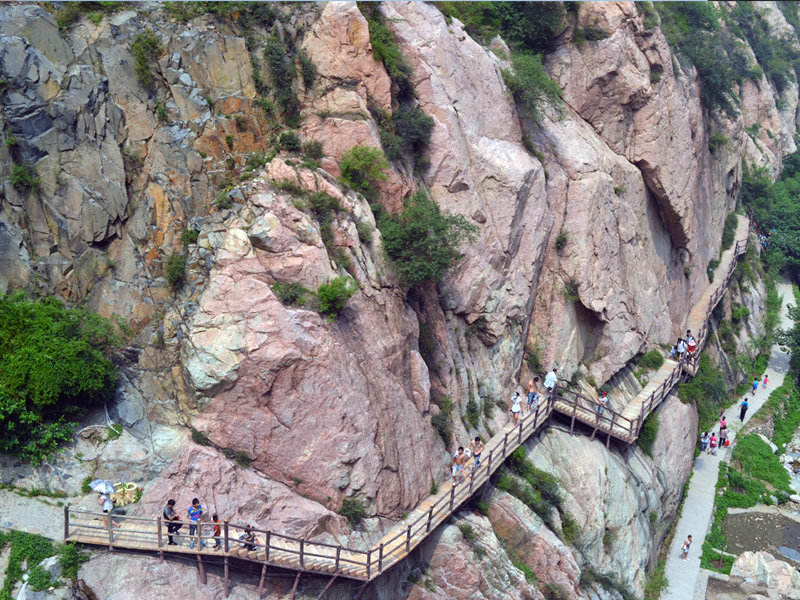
(305, 556)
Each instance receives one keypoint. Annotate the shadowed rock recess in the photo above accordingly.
(595, 222)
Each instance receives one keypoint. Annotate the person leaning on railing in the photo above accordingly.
(173, 521)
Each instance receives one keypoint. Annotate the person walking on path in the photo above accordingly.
(457, 464)
(712, 444)
(195, 514)
(601, 404)
(104, 500)
(476, 447)
(723, 422)
(685, 548)
(550, 380)
(704, 441)
(755, 385)
(723, 437)
(533, 394)
(516, 406)
(680, 348)
(173, 521)
(743, 409)
(766, 381)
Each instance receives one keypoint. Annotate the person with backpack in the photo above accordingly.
(173, 521)
(743, 409)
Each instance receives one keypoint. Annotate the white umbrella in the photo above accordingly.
(101, 486)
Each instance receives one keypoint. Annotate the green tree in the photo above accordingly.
(362, 169)
(423, 242)
(53, 365)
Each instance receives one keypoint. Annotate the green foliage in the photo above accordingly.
(441, 420)
(413, 127)
(189, 236)
(223, 200)
(386, 49)
(707, 391)
(308, 70)
(23, 178)
(467, 532)
(240, 457)
(290, 141)
(656, 581)
(712, 266)
(619, 190)
(85, 489)
(53, 365)
(175, 269)
(114, 432)
(434, 488)
(729, 231)
(353, 509)
(70, 559)
(652, 359)
(362, 169)
(571, 290)
(530, 84)
(561, 239)
(592, 33)
(313, 150)
(290, 293)
(72, 11)
(755, 459)
(739, 312)
(145, 48)
(648, 433)
(473, 413)
(198, 437)
(24, 548)
(163, 115)
(423, 242)
(364, 230)
(283, 72)
(694, 31)
(716, 141)
(333, 296)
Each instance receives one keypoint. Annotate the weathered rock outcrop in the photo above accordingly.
(761, 568)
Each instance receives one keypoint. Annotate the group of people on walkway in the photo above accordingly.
(684, 346)
(194, 513)
(711, 441)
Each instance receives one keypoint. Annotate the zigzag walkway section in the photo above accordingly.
(305, 556)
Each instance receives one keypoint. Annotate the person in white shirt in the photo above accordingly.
(551, 379)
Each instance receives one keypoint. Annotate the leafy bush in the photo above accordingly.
(413, 127)
(652, 359)
(561, 239)
(739, 312)
(198, 437)
(290, 141)
(313, 150)
(530, 84)
(145, 48)
(362, 169)
(353, 509)
(175, 269)
(647, 435)
(421, 241)
(571, 290)
(283, 71)
(473, 413)
(333, 296)
(716, 140)
(441, 420)
(729, 231)
(290, 293)
(189, 236)
(707, 390)
(308, 70)
(70, 559)
(223, 200)
(25, 548)
(39, 395)
(23, 178)
(364, 230)
(386, 50)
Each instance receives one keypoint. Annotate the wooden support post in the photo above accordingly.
(338, 556)
(572, 422)
(160, 539)
(66, 522)
(408, 539)
(369, 556)
(519, 441)
(325, 589)
(110, 525)
(225, 533)
(380, 558)
(472, 478)
(505, 443)
(201, 568)
(227, 577)
(266, 544)
(430, 518)
(452, 497)
(294, 587)
(261, 581)
(489, 464)
(302, 547)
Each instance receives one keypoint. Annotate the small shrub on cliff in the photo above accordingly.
(648, 433)
(290, 141)
(333, 296)
(53, 365)
(175, 269)
(145, 48)
(652, 359)
(353, 509)
(71, 559)
(283, 71)
(530, 83)
(423, 242)
(561, 239)
(308, 70)
(189, 236)
(23, 178)
(198, 437)
(386, 49)
(729, 231)
(413, 126)
(290, 293)
(362, 169)
(313, 150)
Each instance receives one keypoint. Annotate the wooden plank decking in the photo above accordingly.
(150, 534)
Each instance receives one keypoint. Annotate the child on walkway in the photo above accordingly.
(766, 380)
(217, 532)
(195, 514)
(755, 385)
(685, 548)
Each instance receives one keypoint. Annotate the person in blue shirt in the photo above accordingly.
(195, 514)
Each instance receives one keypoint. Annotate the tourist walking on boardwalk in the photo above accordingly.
(685, 548)
(755, 385)
(457, 464)
(550, 380)
(533, 394)
(601, 404)
(173, 521)
(743, 409)
(712, 444)
(680, 348)
(704, 441)
(516, 406)
(476, 447)
(691, 343)
(195, 514)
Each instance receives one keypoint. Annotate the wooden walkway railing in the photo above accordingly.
(305, 556)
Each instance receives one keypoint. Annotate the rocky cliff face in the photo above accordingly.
(323, 409)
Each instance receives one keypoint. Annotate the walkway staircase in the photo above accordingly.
(305, 556)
